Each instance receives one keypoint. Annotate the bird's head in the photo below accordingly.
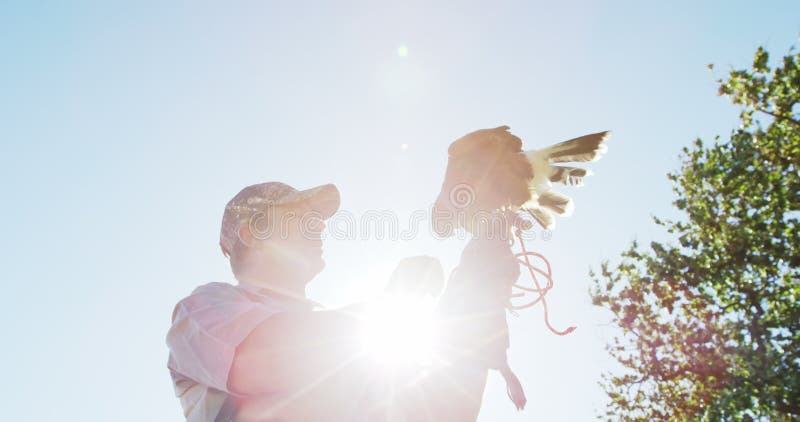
(486, 172)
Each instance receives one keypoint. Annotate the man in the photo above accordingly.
(258, 351)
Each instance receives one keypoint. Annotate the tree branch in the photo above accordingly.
(788, 408)
(779, 117)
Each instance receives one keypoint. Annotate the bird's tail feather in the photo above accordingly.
(542, 216)
(558, 203)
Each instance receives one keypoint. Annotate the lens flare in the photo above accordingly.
(399, 330)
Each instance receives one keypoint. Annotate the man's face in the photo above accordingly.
(289, 238)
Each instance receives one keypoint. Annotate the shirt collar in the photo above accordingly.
(264, 295)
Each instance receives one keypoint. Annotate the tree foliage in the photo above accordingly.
(710, 324)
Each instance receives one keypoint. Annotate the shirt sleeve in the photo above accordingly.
(207, 327)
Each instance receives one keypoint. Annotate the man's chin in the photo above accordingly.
(317, 263)
(312, 266)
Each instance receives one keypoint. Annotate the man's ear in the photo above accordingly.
(245, 235)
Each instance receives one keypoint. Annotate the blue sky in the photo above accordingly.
(125, 127)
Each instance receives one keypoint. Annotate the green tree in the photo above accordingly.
(710, 324)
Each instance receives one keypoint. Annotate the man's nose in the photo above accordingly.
(442, 221)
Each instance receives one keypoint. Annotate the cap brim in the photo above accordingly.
(324, 199)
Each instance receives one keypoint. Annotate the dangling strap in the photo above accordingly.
(542, 291)
(513, 387)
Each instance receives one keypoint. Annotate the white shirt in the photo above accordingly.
(207, 327)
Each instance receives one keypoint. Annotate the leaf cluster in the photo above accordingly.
(710, 324)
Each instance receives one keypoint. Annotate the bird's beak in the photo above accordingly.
(442, 219)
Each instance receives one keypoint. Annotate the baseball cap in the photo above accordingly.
(259, 197)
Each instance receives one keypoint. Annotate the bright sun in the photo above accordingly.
(399, 330)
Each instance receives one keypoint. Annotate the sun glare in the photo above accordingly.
(399, 330)
(402, 51)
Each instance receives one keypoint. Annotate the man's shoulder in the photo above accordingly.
(210, 294)
(216, 288)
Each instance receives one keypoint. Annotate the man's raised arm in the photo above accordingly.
(474, 337)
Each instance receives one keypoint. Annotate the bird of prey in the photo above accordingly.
(488, 170)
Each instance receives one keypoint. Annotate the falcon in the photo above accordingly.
(487, 170)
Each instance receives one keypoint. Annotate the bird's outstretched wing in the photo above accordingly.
(545, 203)
(582, 149)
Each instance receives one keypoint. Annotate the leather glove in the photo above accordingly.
(473, 306)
